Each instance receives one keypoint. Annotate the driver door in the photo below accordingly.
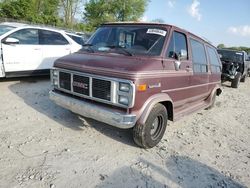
(25, 54)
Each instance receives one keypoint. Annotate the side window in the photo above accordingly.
(51, 38)
(77, 39)
(177, 46)
(214, 61)
(26, 36)
(199, 57)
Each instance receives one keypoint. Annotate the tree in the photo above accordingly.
(20, 9)
(221, 46)
(100, 11)
(35, 11)
(69, 9)
(45, 11)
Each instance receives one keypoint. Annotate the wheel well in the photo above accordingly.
(169, 106)
(218, 92)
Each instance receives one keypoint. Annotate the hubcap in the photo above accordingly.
(156, 127)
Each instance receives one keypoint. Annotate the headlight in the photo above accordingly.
(54, 75)
(125, 93)
(55, 82)
(123, 100)
(124, 87)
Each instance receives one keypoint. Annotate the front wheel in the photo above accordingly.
(151, 133)
(236, 81)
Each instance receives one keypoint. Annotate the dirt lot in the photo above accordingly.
(44, 145)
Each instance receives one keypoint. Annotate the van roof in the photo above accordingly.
(158, 24)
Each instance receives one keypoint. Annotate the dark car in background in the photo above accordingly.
(235, 66)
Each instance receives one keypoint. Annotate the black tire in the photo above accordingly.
(151, 133)
(236, 81)
(243, 79)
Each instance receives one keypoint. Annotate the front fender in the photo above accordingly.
(150, 103)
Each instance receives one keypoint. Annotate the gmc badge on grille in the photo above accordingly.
(80, 85)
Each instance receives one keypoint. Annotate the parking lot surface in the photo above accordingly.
(44, 145)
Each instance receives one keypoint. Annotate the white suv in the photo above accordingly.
(29, 50)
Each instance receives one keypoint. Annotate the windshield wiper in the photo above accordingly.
(123, 50)
(89, 47)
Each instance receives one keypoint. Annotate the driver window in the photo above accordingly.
(178, 43)
(26, 36)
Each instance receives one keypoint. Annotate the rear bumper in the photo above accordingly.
(87, 109)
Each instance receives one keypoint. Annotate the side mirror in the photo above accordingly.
(177, 65)
(11, 40)
(182, 55)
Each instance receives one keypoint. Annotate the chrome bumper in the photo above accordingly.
(93, 111)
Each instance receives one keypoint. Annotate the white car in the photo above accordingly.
(30, 50)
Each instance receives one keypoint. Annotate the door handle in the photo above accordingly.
(37, 48)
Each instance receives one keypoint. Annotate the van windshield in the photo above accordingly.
(231, 56)
(5, 29)
(129, 40)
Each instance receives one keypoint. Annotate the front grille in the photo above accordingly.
(85, 86)
(101, 89)
(81, 84)
(65, 80)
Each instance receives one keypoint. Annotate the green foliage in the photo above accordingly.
(36, 11)
(221, 46)
(101, 11)
(16, 9)
(96, 12)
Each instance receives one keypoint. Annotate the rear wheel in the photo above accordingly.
(151, 133)
(236, 81)
(243, 79)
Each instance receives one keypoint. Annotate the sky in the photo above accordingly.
(219, 21)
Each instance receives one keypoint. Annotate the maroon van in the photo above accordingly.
(138, 75)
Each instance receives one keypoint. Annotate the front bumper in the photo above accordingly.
(94, 111)
(226, 76)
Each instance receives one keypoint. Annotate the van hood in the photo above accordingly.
(108, 63)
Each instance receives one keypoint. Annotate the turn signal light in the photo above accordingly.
(142, 87)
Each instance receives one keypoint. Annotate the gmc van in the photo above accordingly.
(139, 76)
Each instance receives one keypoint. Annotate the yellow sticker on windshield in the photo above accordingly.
(157, 32)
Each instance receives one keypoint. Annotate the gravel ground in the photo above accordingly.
(44, 145)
